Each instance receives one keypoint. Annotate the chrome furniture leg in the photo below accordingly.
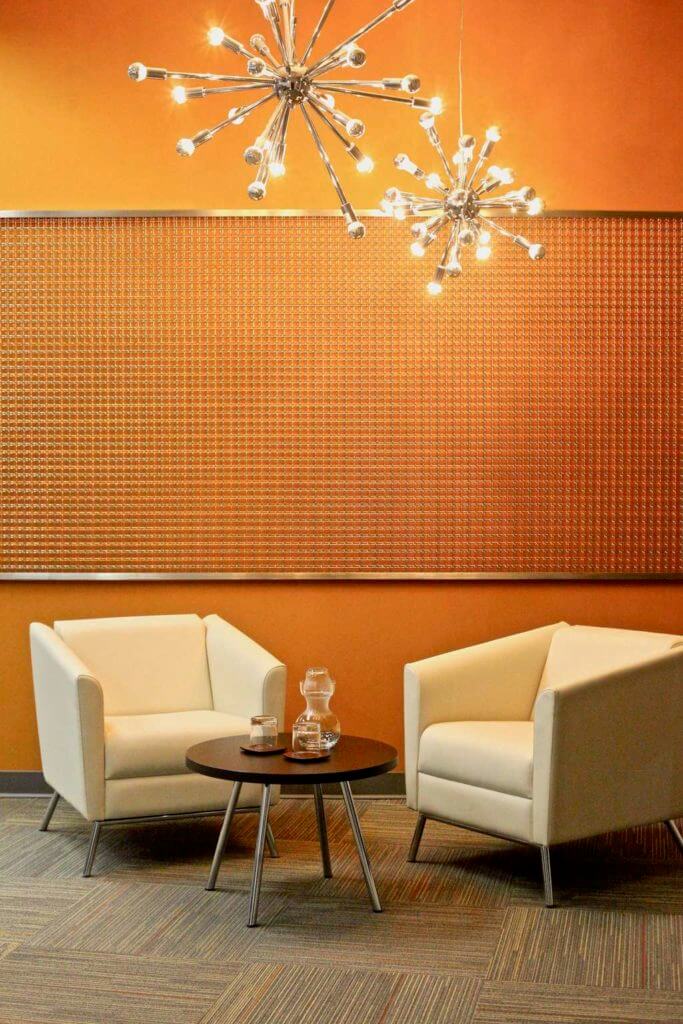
(417, 837)
(258, 858)
(676, 833)
(362, 852)
(270, 839)
(322, 830)
(547, 876)
(223, 835)
(92, 848)
(54, 800)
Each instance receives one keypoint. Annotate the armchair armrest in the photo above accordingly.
(494, 681)
(608, 751)
(70, 713)
(245, 679)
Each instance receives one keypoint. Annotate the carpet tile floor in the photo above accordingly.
(464, 937)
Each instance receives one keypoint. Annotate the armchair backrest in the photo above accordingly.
(145, 664)
(583, 652)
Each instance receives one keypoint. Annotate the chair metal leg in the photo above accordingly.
(417, 837)
(258, 858)
(676, 833)
(92, 848)
(222, 836)
(270, 840)
(547, 876)
(360, 844)
(54, 800)
(322, 830)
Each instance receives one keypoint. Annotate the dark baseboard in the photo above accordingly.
(23, 784)
(392, 784)
(33, 784)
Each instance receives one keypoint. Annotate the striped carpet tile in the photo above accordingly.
(510, 1003)
(424, 997)
(159, 921)
(48, 985)
(306, 994)
(443, 940)
(27, 906)
(579, 946)
(442, 876)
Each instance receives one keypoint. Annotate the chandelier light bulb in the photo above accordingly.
(436, 105)
(536, 252)
(435, 288)
(466, 236)
(185, 147)
(484, 237)
(535, 206)
(433, 181)
(179, 94)
(365, 165)
(417, 248)
(355, 57)
(256, 190)
(253, 155)
(483, 252)
(493, 133)
(356, 229)
(235, 116)
(256, 66)
(137, 72)
(410, 84)
(215, 36)
(277, 169)
(467, 141)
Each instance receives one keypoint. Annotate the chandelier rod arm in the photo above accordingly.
(436, 143)
(201, 94)
(361, 32)
(325, 159)
(420, 104)
(272, 17)
(241, 112)
(317, 30)
(196, 76)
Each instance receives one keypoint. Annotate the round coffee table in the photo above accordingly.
(353, 758)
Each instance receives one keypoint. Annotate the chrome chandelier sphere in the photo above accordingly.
(290, 80)
(460, 205)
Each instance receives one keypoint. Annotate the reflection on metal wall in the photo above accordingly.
(261, 395)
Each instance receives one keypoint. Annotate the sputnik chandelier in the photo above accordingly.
(291, 80)
(459, 205)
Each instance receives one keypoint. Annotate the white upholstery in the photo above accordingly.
(495, 755)
(604, 750)
(144, 664)
(119, 701)
(142, 745)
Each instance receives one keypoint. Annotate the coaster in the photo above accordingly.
(306, 755)
(261, 748)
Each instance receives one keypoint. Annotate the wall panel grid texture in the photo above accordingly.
(261, 395)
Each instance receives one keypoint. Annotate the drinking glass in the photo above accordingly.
(263, 732)
(306, 737)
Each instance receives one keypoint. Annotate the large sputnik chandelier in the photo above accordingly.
(460, 206)
(290, 80)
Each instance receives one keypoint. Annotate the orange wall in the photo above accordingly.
(587, 94)
(364, 632)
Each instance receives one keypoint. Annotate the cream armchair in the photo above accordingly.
(544, 737)
(120, 700)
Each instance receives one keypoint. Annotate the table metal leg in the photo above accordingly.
(258, 858)
(322, 830)
(223, 835)
(362, 852)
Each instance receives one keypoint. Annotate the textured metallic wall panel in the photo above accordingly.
(261, 395)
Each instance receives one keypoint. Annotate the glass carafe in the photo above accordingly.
(318, 688)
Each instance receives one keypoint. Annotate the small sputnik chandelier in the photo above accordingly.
(291, 80)
(458, 205)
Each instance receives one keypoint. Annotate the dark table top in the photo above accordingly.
(353, 758)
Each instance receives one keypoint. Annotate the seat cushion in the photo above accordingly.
(493, 755)
(143, 745)
(145, 663)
